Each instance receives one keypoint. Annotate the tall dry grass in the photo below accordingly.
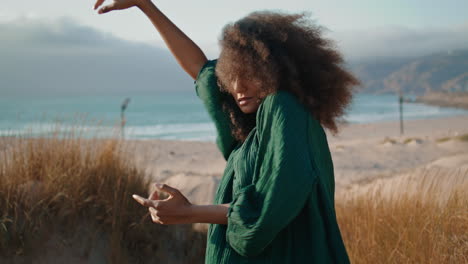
(71, 194)
(417, 218)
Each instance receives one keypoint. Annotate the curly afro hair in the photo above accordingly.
(284, 52)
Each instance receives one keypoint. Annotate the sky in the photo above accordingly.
(204, 19)
(48, 43)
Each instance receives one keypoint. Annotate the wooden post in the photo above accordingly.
(400, 93)
(122, 116)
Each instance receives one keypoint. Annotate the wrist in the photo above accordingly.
(211, 214)
(142, 4)
(193, 213)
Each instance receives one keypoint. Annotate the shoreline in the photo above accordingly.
(24, 130)
(410, 127)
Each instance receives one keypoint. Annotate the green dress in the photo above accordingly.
(279, 183)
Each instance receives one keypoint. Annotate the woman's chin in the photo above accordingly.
(248, 110)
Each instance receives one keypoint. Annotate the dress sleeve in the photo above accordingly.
(283, 177)
(208, 91)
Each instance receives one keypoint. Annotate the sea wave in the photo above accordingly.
(181, 131)
(166, 116)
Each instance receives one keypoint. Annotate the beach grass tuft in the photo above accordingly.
(388, 140)
(443, 139)
(64, 195)
(463, 137)
(418, 224)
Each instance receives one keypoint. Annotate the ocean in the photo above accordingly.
(163, 115)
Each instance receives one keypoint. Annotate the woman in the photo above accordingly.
(274, 87)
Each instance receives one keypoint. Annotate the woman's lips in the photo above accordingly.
(244, 100)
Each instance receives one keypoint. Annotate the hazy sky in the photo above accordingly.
(49, 42)
(203, 20)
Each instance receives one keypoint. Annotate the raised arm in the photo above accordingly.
(193, 61)
(190, 57)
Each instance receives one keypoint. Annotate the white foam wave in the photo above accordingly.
(182, 131)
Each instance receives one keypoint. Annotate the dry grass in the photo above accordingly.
(424, 222)
(443, 139)
(389, 141)
(463, 137)
(73, 194)
(411, 139)
(80, 190)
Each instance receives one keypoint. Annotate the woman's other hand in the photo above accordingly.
(176, 209)
(116, 5)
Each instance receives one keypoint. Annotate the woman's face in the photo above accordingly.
(246, 93)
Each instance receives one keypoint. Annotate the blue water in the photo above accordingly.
(163, 115)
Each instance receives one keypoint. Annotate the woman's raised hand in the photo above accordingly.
(190, 57)
(115, 5)
(175, 209)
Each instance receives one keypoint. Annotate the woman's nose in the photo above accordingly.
(238, 87)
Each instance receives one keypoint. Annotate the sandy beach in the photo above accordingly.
(362, 154)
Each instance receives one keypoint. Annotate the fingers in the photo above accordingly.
(154, 216)
(143, 201)
(153, 199)
(154, 194)
(107, 8)
(152, 207)
(166, 188)
(164, 220)
(98, 3)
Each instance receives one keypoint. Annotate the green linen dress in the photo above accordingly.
(279, 183)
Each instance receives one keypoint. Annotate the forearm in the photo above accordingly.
(190, 57)
(212, 214)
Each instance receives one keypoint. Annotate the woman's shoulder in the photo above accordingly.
(281, 101)
(206, 82)
(284, 108)
(207, 69)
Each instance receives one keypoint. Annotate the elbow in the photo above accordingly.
(248, 231)
(247, 249)
(246, 245)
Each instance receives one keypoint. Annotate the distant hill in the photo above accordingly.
(440, 72)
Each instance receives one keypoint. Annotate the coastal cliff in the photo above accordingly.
(439, 72)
